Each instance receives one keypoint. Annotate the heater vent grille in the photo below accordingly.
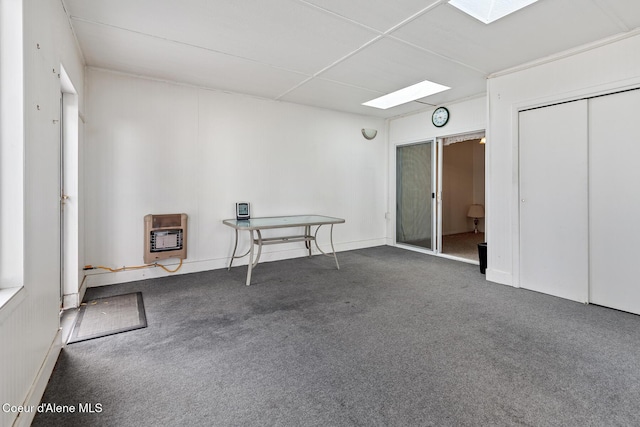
(165, 237)
(169, 240)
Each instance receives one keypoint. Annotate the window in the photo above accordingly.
(11, 149)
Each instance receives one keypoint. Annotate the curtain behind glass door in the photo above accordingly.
(414, 189)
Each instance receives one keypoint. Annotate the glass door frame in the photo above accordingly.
(436, 195)
(438, 207)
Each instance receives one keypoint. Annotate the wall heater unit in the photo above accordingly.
(165, 236)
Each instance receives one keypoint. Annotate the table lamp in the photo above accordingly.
(475, 212)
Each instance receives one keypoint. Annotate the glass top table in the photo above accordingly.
(265, 223)
(255, 225)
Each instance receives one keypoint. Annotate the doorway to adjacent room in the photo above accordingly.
(440, 196)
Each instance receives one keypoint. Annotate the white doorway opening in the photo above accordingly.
(437, 182)
(71, 272)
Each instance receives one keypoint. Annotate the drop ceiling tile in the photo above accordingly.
(282, 33)
(379, 14)
(332, 95)
(625, 11)
(537, 31)
(470, 89)
(138, 54)
(389, 65)
(264, 48)
(337, 96)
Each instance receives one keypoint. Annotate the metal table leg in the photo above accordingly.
(332, 248)
(235, 248)
(233, 255)
(254, 263)
(250, 266)
(333, 251)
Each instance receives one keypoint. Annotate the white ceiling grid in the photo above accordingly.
(333, 54)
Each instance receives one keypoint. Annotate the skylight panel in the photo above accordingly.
(408, 94)
(488, 11)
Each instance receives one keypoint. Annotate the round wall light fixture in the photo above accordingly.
(369, 133)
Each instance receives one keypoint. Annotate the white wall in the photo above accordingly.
(29, 323)
(479, 177)
(457, 187)
(465, 117)
(462, 185)
(157, 147)
(602, 69)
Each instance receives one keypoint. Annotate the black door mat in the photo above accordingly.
(107, 316)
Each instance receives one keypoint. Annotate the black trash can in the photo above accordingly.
(482, 254)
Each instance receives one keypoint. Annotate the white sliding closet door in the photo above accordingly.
(553, 200)
(614, 200)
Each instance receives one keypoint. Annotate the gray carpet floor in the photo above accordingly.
(463, 245)
(394, 338)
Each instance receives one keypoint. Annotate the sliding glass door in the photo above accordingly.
(415, 194)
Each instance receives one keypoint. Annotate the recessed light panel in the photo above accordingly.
(408, 94)
(488, 11)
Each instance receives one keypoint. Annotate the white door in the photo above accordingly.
(62, 201)
(614, 200)
(553, 200)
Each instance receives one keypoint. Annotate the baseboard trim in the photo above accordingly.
(500, 277)
(103, 279)
(36, 391)
(71, 301)
(453, 233)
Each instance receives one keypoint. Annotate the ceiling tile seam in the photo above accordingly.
(75, 18)
(405, 21)
(448, 103)
(370, 42)
(212, 89)
(417, 101)
(439, 55)
(180, 83)
(415, 16)
(333, 64)
(337, 15)
(567, 53)
(612, 15)
(349, 85)
(381, 36)
(377, 38)
(309, 77)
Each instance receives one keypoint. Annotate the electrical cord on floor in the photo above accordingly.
(134, 267)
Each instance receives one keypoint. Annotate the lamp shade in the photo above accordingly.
(369, 133)
(476, 211)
